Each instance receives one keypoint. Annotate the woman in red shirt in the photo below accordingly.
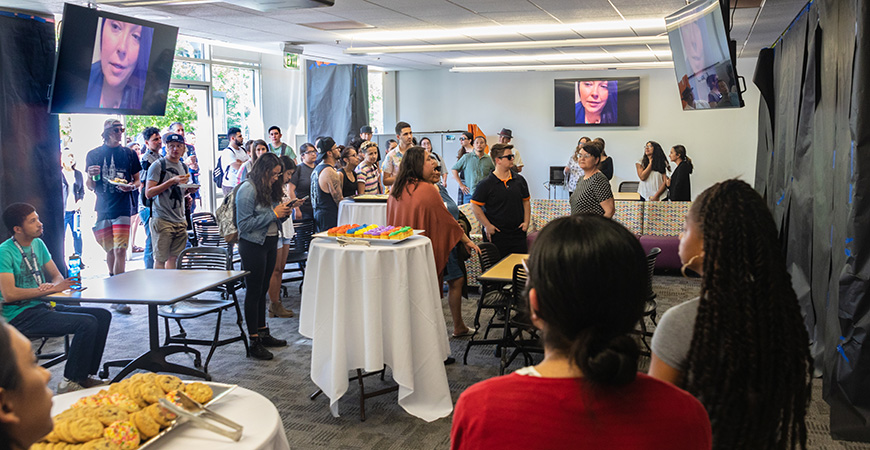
(586, 290)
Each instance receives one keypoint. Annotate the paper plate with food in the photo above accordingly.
(118, 181)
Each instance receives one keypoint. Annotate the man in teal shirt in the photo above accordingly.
(475, 166)
(27, 274)
(276, 146)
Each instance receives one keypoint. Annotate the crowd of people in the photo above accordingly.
(730, 369)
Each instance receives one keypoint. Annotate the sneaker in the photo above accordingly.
(258, 351)
(91, 382)
(68, 386)
(268, 341)
(121, 308)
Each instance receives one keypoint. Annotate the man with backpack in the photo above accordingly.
(165, 185)
(153, 143)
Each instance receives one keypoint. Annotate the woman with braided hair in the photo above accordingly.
(741, 347)
(586, 289)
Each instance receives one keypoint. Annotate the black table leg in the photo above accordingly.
(154, 360)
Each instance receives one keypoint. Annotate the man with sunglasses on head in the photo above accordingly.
(113, 174)
(501, 204)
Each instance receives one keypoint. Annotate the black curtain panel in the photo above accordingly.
(813, 167)
(338, 103)
(30, 144)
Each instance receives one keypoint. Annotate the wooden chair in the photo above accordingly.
(493, 296)
(203, 258)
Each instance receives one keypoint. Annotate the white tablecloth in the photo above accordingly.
(263, 429)
(364, 307)
(350, 212)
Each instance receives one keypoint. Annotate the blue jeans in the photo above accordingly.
(89, 327)
(72, 219)
(148, 256)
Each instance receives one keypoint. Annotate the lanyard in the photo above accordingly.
(32, 267)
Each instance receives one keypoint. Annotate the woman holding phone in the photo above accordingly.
(259, 215)
(276, 308)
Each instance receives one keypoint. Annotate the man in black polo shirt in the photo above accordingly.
(501, 204)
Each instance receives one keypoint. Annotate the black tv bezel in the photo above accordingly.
(68, 96)
(623, 103)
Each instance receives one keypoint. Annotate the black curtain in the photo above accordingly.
(30, 143)
(338, 100)
(814, 170)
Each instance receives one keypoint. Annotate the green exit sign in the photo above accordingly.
(291, 61)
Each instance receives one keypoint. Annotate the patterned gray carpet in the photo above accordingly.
(286, 382)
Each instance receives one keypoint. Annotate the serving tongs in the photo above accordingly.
(345, 241)
(202, 417)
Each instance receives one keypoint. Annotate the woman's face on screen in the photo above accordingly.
(119, 51)
(593, 95)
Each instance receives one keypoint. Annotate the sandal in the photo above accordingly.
(466, 333)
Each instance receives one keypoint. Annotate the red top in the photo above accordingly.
(526, 412)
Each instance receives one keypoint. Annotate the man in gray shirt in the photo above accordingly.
(166, 184)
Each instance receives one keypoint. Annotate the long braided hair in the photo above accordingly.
(749, 362)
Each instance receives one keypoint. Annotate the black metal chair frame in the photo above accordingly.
(628, 186)
(51, 359)
(298, 254)
(363, 395)
(650, 305)
(185, 262)
(492, 296)
(520, 334)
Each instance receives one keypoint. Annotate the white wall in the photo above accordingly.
(283, 94)
(721, 143)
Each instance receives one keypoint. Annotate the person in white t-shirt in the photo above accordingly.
(651, 171)
(232, 159)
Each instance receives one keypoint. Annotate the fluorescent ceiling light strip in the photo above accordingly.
(556, 57)
(557, 43)
(558, 67)
(654, 24)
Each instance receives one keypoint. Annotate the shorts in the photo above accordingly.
(284, 241)
(168, 239)
(454, 268)
(114, 233)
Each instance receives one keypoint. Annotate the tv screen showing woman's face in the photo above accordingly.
(119, 51)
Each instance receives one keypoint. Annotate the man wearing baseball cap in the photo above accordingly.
(366, 133)
(113, 174)
(165, 183)
(504, 137)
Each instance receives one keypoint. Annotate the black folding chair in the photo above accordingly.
(298, 255)
(520, 334)
(50, 359)
(650, 305)
(493, 296)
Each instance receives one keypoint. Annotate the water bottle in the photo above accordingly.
(75, 270)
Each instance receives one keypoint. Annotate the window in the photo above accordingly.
(240, 85)
(376, 100)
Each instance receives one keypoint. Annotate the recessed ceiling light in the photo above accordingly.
(557, 43)
(656, 25)
(337, 25)
(560, 67)
(555, 57)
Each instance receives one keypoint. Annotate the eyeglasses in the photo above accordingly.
(584, 155)
(309, 151)
(118, 129)
(509, 157)
(463, 139)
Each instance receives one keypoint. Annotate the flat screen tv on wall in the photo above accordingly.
(597, 102)
(109, 63)
(706, 75)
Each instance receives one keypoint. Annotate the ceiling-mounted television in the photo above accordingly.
(706, 75)
(109, 63)
(597, 102)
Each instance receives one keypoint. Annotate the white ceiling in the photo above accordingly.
(267, 26)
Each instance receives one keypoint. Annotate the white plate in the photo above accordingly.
(323, 234)
(116, 183)
(188, 186)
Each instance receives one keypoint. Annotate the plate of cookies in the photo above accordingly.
(125, 415)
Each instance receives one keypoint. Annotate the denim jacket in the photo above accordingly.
(253, 219)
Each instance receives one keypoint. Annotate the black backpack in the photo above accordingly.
(148, 202)
(217, 175)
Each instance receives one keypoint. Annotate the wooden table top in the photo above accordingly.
(148, 286)
(504, 270)
(623, 196)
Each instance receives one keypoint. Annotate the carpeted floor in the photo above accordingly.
(286, 382)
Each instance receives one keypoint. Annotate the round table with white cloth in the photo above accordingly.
(263, 429)
(351, 212)
(364, 307)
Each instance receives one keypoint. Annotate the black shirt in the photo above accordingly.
(502, 200)
(680, 189)
(114, 162)
(607, 168)
(348, 188)
(302, 180)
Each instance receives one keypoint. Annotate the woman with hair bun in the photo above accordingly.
(586, 393)
(741, 347)
(679, 185)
